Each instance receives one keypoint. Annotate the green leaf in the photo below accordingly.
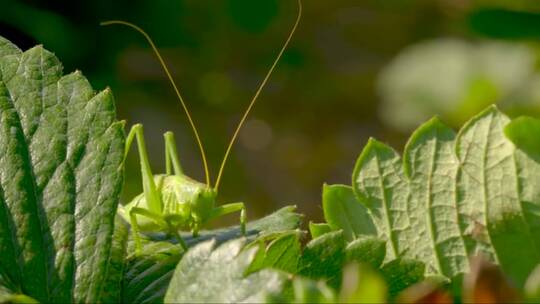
(209, 274)
(454, 196)
(318, 229)
(60, 156)
(323, 258)
(402, 273)
(147, 276)
(367, 250)
(281, 253)
(343, 211)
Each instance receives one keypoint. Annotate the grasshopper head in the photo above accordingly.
(204, 203)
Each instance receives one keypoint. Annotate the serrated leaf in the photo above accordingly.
(209, 274)
(323, 258)
(147, 276)
(367, 250)
(60, 156)
(402, 273)
(282, 253)
(343, 211)
(454, 196)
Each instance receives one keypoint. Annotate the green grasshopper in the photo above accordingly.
(173, 201)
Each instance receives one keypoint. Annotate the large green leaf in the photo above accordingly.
(217, 275)
(60, 156)
(455, 196)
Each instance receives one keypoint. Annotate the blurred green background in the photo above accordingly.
(354, 69)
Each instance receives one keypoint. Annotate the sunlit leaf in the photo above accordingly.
(61, 152)
(451, 197)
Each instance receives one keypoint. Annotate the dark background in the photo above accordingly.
(334, 87)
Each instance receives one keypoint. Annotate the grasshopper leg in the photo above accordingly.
(180, 239)
(149, 187)
(135, 225)
(135, 233)
(171, 155)
(230, 208)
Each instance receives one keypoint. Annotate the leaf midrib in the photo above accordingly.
(429, 202)
(386, 208)
(484, 184)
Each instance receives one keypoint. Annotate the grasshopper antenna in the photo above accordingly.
(261, 86)
(162, 62)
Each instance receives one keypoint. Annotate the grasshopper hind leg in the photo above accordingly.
(171, 155)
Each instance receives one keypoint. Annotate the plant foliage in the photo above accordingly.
(452, 196)
(61, 154)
